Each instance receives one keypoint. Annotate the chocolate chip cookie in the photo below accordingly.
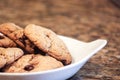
(49, 42)
(33, 63)
(16, 34)
(2, 61)
(9, 55)
(6, 42)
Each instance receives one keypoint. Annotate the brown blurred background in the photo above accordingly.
(85, 20)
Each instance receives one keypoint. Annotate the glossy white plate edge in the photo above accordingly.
(100, 46)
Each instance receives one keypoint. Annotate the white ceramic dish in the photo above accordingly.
(81, 52)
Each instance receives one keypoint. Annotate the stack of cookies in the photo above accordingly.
(31, 49)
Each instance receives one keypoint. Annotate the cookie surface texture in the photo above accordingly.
(6, 42)
(34, 63)
(16, 34)
(9, 55)
(46, 40)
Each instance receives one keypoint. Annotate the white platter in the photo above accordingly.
(81, 52)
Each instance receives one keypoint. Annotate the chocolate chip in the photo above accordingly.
(22, 39)
(1, 37)
(28, 67)
(47, 36)
(64, 62)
